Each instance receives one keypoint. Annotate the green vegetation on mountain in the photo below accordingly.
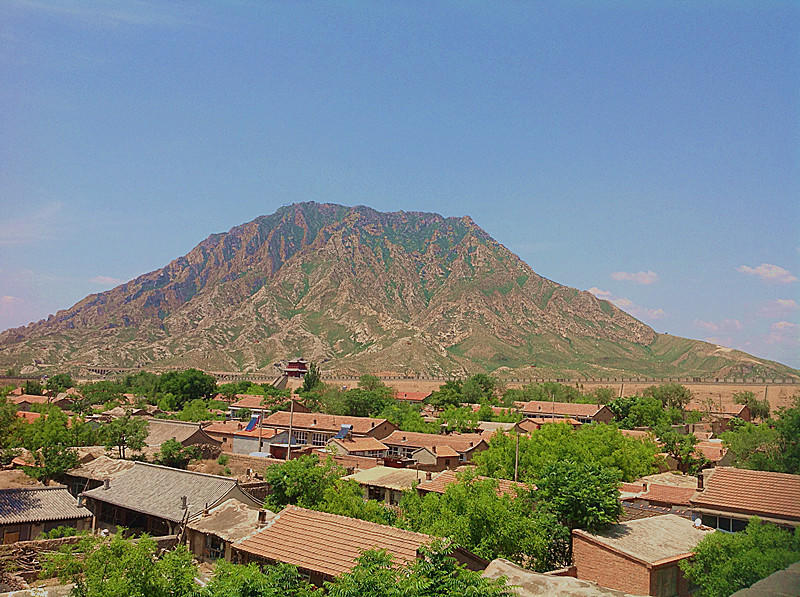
(361, 291)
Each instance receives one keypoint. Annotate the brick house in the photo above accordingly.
(727, 497)
(583, 413)
(387, 484)
(639, 556)
(27, 512)
(317, 429)
(436, 451)
(324, 546)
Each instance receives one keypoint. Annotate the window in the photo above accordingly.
(738, 525)
(299, 437)
(319, 439)
(710, 521)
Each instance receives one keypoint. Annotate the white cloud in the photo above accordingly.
(784, 325)
(648, 277)
(769, 273)
(784, 332)
(22, 229)
(106, 281)
(778, 308)
(638, 311)
(599, 293)
(9, 300)
(717, 326)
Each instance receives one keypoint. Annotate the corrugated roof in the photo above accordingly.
(460, 442)
(322, 422)
(39, 504)
(441, 481)
(751, 492)
(399, 479)
(328, 543)
(157, 490)
(561, 408)
(650, 539)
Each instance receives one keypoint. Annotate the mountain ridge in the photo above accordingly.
(360, 290)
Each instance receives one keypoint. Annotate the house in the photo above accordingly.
(714, 451)
(259, 440)
(528, 583)
(727, 497)
(323, 545)
(223, 432)
(317, 429)
(489, 428)
(27, 512)
(656, 498)
(387, 484)
(210, 536)
(583, 413)
(411, 397)
(439, 483)
(157, 499)
(185, 433)
(258, 404)
(638, 556)
(432, 450)
(358, 446)
(28, 416)
(26, 401)
(295, 368)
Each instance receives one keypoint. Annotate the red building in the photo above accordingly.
(296, 368)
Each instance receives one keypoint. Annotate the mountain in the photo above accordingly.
(360, 290)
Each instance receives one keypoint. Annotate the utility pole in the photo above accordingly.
(291, 419)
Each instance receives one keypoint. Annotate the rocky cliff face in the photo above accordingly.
(354, 288)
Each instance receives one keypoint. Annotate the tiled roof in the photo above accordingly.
(637, 433)
(224, 427)
(39, 504)
(561, 408)
(322, 422)
(441, 481)
(160, 430)
(650, 540)
(495, 425)
(388, 477)
(361, 444)
(250, 401)
(711, 450)
(328, 543)
(29, 417)
(533, 423)
(412, 396)
(666, 494)
(262, 432)
(157, 490)
(460, 442)
(30, 398)
(751, 492)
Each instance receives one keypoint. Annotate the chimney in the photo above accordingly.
(80, 501)
(428, 476)
(106, 483)
(644, 487)
(700, 481)
(205, 510)
(372, 424)
(434, 449)
(184, 502)
(262, 518)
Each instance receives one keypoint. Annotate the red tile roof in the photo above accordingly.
(322, 422)
(328, 543)
(28, 416)
(713, 451)
(412, 396)
(460, 442)
(561, 408)
(250, 401)
(30, 398)
(668, 494)
(224, 427)
(441, 481)
(775, 495)
(637, 433)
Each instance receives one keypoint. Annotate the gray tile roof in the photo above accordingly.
(160, 430)
(157, 490)
(39, 504)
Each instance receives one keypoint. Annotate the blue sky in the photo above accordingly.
(647, 151)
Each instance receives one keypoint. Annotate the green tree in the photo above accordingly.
(581, 495)
(554, 442)
(173, 454)
(101, 392)
(759, 409)
(110, 567)
(787, 424)
(434, 573)
(51, 461)
(60, 382)
(10, 431)
(460, 420)
(407, 417)
(312, 378)
(753, 446)
(671, 395)
(449, 394)
(301, 481)
(682, 448)
(33, 387)
(124, 433)
(187, 385)
(364, 403)
(229, 390)
(479, 388)
(281, 580)
(197, 410)
(723, 563)
(346, 498)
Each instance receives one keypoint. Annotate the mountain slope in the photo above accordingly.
(361, 291)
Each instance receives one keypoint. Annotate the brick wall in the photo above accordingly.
(609, 569)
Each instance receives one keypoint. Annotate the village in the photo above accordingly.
(621, 496)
